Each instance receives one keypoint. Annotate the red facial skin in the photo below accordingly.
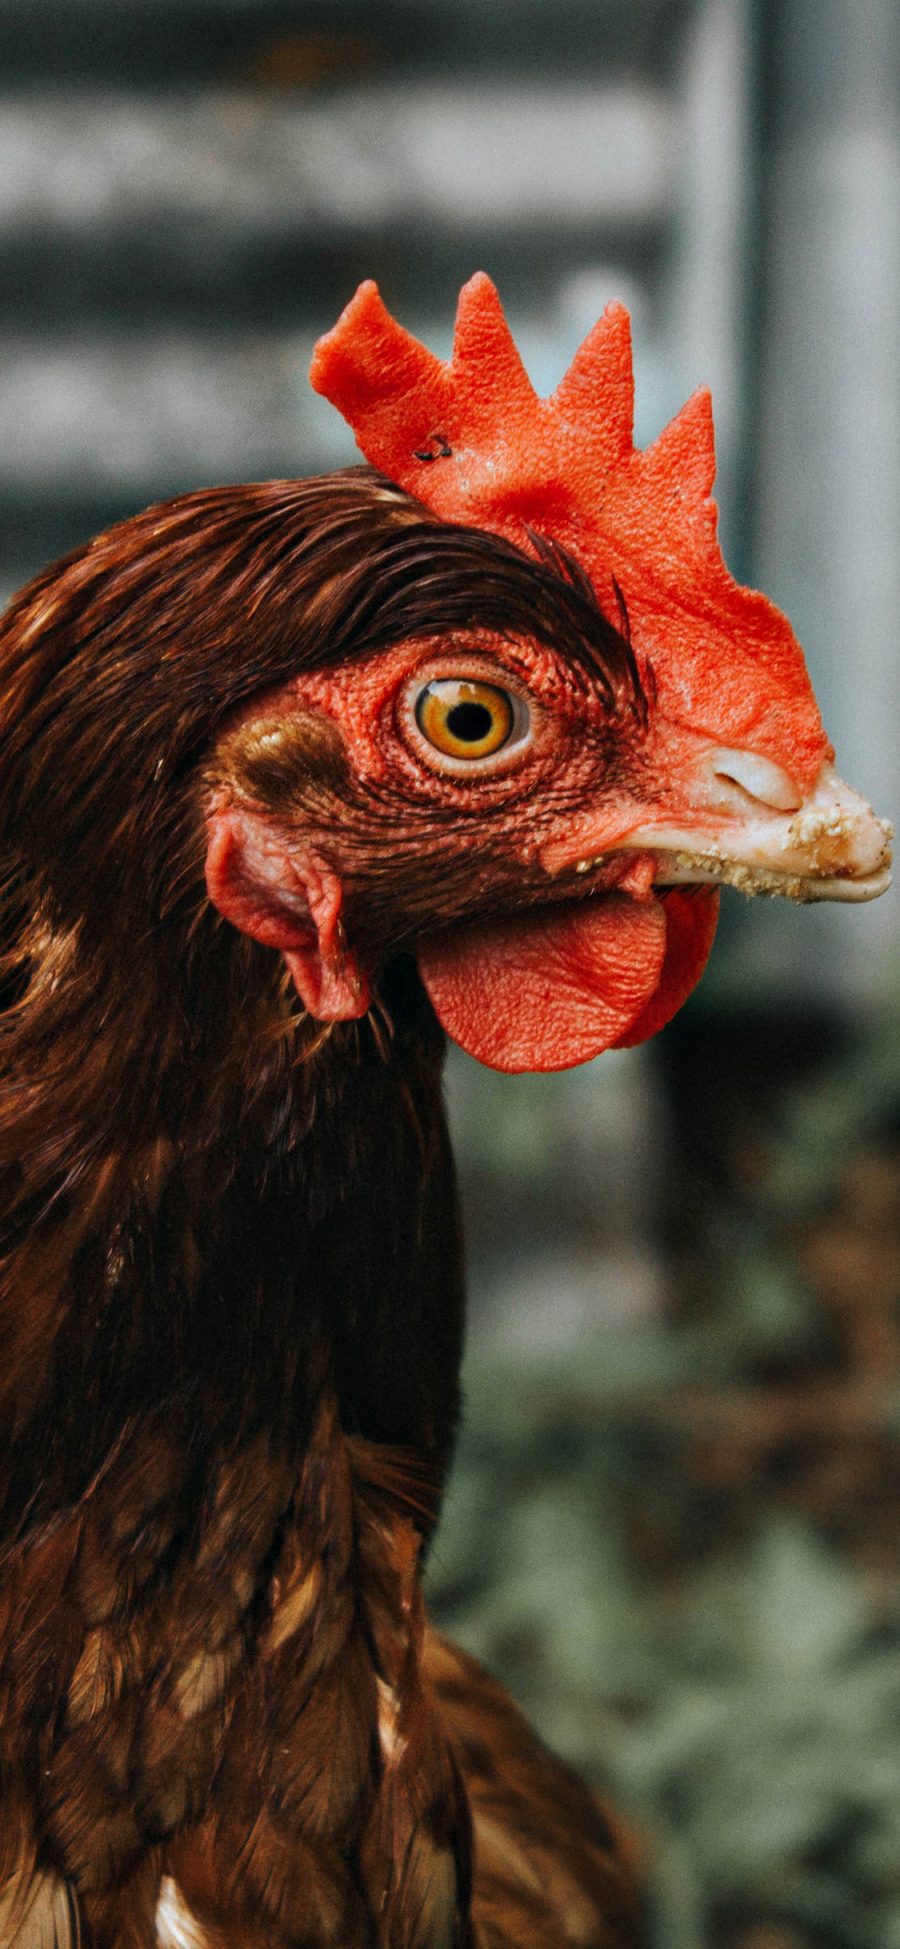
(519, 988)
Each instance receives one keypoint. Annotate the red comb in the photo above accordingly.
(474, 442)
(514, 458)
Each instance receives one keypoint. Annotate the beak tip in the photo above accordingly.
(840, 836)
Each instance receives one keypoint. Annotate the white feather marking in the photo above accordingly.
(38, 1910)
(390, 1737)
(177, 1926)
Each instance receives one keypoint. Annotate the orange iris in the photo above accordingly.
(464, 718)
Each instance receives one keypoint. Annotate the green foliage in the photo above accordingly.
(746, 1712)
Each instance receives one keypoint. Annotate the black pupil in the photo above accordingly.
(469, 722)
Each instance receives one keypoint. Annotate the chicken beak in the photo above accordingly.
(763, 837)
(737, 818)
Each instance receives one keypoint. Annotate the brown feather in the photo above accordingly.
(230, 1287)
(550, 1866)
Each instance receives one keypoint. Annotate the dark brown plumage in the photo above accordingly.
(231, 1295)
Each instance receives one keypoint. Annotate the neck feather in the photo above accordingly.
(214, 1208)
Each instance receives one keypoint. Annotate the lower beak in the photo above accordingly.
(830, 847)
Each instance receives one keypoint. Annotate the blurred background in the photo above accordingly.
(672, 1526)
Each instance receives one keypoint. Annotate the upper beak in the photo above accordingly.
(828, 846)
(745, 823)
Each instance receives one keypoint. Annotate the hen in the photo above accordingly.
(462, 744)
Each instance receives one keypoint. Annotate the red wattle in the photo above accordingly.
(691, 919)
(547, 989)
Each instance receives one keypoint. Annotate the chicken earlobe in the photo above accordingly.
(290, 900)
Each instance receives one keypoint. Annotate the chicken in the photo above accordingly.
(299, 776)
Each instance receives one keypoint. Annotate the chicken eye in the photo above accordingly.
(464, 718)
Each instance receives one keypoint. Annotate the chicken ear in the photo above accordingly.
(289, 901)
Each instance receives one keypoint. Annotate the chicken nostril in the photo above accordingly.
(761, 778)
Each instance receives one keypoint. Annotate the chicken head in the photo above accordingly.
(541, 811)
